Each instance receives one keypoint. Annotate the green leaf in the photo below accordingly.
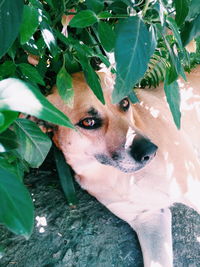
(8, 141)
(31, 72)
(7, 69)
(132, 53)
(32, 141)
(190, 30)
(95, 5)
(173, 98)
(133, 97)
(17, 95)
(91, 77)
(64, 85)
(105, 15)
(194, 9)
(66, 178)
(10, 162)
(10, 20)
(2, 251)
(49, 38)
(16, 210)
(30, 22)
(182, 9)
(172, 74)
(83, 19)
(106, 35)
(9, 117)
(153, 39)
(175, 30)
(71, 65)
(2, 119)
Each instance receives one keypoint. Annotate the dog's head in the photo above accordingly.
(105, 133)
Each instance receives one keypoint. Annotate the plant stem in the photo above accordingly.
(145, 7)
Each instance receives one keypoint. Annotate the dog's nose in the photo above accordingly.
(142, 149)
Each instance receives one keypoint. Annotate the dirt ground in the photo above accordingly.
(87, 235)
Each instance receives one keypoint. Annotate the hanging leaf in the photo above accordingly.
(173, 98)
(182, 9)
(106, 35)
(190, 30)
(194, 9)
(30, 22)
(91, 77)
(83, 19)
(16, 210)
(65, 176)
(64, 85)
(175, 30)
(10, 20)
(32, 141)
(17, 95)
(132, 54)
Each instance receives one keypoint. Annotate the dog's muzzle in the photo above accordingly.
(132, 156)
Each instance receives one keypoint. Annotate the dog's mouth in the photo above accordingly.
(141, 152)
(124, 164)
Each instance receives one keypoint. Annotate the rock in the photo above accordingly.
(87, 235)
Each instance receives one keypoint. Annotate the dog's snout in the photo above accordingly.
(142, 149)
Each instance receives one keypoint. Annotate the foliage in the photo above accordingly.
(44, 41)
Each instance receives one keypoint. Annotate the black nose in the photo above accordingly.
(142, 149)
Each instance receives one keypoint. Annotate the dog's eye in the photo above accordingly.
(90, 123)
(124, 104)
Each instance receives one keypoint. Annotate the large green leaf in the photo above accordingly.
(83, 19)
(30, 22)
(16, 209)
(194, 9)
(64, 85)
(10, 20)
(65, 176)
(182, 9)
(190, 30)
(34, 145)
(132, 53)
(173, 98)
(8, 141)
(17, 95)
(31, 72)
(106, 35)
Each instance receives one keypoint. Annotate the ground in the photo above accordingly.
(87, 235)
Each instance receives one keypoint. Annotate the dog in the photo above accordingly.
(133, 159)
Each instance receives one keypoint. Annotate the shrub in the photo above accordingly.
(44, 41)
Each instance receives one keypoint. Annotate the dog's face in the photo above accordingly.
(105, 133)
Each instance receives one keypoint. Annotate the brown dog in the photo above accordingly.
(133, 159)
